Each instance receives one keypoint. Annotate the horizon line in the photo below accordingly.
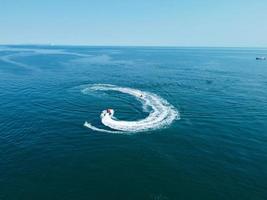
(124, 45)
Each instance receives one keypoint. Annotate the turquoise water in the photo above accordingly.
(216, 150)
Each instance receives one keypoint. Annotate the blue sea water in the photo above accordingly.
(217, 150)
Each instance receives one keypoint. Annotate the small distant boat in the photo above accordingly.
(108, 112)
(261, 58)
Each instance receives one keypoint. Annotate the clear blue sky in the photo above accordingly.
(134, 22)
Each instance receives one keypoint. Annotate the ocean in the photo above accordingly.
(189, 123)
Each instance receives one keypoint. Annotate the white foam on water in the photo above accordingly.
(88, 125)
(160, 115)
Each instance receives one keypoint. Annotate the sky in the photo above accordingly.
(225, 23)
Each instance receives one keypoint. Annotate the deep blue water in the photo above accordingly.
(217, 150)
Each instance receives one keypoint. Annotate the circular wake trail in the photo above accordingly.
(161, 112)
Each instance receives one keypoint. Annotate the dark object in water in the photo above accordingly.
(260, 58)
(209, 81)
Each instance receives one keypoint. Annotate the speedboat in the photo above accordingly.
(107, 112)
(261, 58)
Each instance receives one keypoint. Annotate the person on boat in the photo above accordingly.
(109, 111)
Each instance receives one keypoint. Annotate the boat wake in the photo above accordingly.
(161, 113)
